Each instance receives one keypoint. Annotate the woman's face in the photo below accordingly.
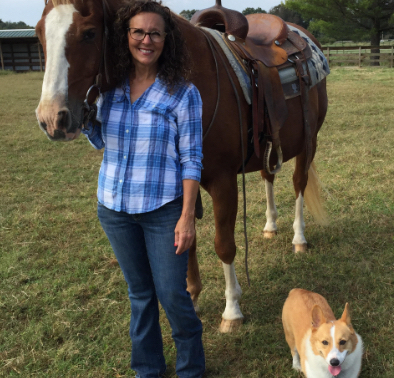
(146, 53)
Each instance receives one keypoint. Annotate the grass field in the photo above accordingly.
(64, 310)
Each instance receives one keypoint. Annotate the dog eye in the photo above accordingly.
(325, 342)
(342, 342)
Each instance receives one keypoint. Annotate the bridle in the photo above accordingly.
(90, 110)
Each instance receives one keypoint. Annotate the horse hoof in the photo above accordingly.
(228, 326)
(269, 234)
(300, 247)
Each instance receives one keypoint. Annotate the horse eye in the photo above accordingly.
(88, 35)
(342, 342)
(325, 342)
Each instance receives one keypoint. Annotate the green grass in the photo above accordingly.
(64, 310)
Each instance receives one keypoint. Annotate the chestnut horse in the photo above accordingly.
(72, 34)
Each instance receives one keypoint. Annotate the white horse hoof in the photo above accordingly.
(269, 234)
(300, 247)
(229, 326)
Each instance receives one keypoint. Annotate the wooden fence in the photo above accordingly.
(359, 55)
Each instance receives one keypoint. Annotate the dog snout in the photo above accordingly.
(334, 362)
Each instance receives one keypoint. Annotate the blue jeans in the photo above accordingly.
(144, 247)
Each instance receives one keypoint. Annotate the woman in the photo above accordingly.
(148, 182)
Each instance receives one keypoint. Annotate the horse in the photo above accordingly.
(73, 35)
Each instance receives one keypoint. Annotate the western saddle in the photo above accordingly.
(264, 44)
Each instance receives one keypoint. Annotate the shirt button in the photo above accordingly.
(120, 181)
(127, 131)
(124, 157)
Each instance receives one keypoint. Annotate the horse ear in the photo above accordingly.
(318, 317)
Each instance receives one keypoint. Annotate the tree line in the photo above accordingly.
(333, 20)
(13, 25)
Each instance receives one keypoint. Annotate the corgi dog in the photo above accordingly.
(321, 346)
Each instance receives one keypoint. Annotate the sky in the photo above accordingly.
(29, 11)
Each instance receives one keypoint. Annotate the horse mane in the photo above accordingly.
(65, 2)
(60, 2)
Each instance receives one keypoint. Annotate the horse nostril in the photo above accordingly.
(334, 362)
(43, 125)
(63, 119)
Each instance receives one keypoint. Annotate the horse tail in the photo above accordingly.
(312, 197)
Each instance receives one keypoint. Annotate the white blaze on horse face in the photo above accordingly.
(55, 85)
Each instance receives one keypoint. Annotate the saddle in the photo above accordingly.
(264, 44)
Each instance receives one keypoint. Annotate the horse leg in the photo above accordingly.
(224, 193)
(194, 285)
(232, 316)
(300, 179)
(270, 229)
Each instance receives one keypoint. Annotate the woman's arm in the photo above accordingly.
(190, 154)
(185, 229)
(93, 133)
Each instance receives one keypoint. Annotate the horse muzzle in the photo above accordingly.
(58, 125)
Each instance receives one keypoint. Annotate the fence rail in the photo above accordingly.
(359, 55)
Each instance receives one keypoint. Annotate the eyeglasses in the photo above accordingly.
(139, 35)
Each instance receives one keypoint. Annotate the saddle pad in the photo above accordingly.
(318, 67)
(242, 75)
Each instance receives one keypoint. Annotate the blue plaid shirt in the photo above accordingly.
(150, 145)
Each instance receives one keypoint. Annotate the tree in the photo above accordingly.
(188, 14)
(371, 16)
(289, 15)
(253, 10)
(13, 25)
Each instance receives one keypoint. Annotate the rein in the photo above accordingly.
(214, 48)
(217, 81)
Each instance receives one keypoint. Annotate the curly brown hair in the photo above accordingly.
(174, 62)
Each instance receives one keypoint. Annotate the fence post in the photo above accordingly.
(29, 56)
(39, 55)
(359, 57)
(1, 55)
(328, 55)
(392, 56)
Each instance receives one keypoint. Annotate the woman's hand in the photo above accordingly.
(185, 233)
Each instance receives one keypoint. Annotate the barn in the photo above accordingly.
(21, 51)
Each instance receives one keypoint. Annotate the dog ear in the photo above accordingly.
(346, 317)
(318, 317)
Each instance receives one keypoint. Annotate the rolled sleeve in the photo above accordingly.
(189, 122)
